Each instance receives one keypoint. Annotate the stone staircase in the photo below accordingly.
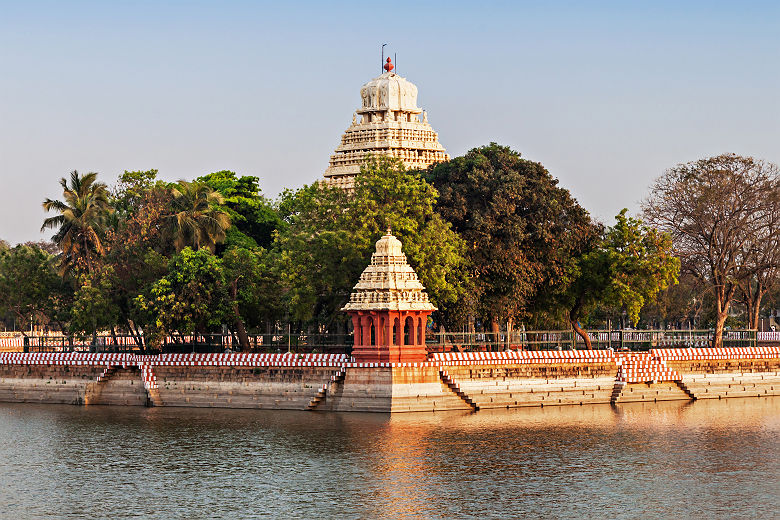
(322, 393)
(107, 373)
(150, 384)
(455, 387)
(645, 368)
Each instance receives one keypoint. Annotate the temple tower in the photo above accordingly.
(387, 123)
(389, 308)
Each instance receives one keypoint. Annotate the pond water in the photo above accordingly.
(705, 459)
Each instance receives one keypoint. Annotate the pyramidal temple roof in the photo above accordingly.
(389, 282)
(387, 123)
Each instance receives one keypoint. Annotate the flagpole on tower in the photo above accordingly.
(382, 63)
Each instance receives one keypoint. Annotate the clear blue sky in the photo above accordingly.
(605, 95)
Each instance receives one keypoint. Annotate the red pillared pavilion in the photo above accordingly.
(389, 308)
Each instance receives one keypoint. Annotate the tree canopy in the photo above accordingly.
(330, 234)
(721, 213)
(520, 228)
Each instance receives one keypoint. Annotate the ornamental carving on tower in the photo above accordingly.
(387, 123)
(389, 308)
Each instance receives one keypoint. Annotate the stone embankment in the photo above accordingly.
(334, 382)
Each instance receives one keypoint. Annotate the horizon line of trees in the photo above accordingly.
(493, 237)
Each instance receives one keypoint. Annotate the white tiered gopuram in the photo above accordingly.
(387, 123)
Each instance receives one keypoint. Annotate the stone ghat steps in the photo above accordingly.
(238, 394)
(643, 392)
(454, 386)
(551, 399)
(335, 379)
(42, 391)
(535, 393)
(117, 386)
(220, 400)
(747, 384)
(537, 385)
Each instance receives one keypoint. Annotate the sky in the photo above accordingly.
(606, 95)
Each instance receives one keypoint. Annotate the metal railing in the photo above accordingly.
(638, 340)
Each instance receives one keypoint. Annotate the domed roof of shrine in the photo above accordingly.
(389, 282)
(389, 91)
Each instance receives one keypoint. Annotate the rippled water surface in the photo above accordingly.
(708, 459)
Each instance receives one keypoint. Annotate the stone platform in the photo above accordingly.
(455, 381)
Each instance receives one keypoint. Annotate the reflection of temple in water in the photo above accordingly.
(387, 123)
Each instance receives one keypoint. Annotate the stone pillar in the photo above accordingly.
(357, 331)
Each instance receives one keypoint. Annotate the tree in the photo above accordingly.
(138, 250)
(521, 230)
(196, 222)
(190, 298)
(716, 211)
(29, 285)
(252, 216)
(131, 190)
(630, 266)
(762, 253)
(80, 222)
(253, 289)
(93, 308)
(329, 235)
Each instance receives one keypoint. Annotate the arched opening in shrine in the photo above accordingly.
(409, 334)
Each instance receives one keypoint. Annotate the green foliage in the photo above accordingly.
(630, 266)
(81, 220)
(190, 298)
(253, 286)
(330, 236)
(196, 220)
(132, 189)
(93, 309)
(30, 288)
(521, 230)
(251, 214)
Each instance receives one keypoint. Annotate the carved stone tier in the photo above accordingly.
(389, 308)
(387, 123)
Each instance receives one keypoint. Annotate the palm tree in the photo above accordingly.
(197, 222)
(81, 220)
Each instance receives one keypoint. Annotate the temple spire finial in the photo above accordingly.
(389, 64)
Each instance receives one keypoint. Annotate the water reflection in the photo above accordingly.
(649, 460)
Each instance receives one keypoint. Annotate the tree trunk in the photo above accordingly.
(575, 324)
(495, 330)
(756, 306)
(717, 341)
(239, 323)
(135, 335)
(113, 335)
(723, 298)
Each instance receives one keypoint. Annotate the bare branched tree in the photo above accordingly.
(722, 215)
(763, 254)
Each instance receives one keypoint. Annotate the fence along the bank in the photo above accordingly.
(436, 342)
(600, 339)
